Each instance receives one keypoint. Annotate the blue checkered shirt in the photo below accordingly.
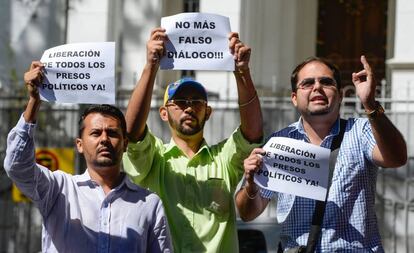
(350, 223)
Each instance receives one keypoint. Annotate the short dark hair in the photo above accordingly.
(330, 65)
(104, 110)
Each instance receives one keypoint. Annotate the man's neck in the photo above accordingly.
(107, 178)
(189, 144)
(318, 127)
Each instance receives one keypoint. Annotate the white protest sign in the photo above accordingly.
(294, 167)
(197, 41)
(81, 73)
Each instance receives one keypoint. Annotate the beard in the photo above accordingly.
(185, 129)
(104, 162)
(320, 112)
(107, 161)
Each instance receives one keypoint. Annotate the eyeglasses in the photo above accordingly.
(308, 83)
(184, 103)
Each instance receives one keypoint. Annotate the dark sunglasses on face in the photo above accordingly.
(184, 103)
(325, 82)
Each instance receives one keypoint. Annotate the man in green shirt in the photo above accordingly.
(195, 181)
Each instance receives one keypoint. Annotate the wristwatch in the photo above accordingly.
(378, 111)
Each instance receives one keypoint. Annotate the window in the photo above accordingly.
(191, 5)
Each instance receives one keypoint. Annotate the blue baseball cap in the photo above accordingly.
(172, 88)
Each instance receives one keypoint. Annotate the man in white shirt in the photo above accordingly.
(98, 211)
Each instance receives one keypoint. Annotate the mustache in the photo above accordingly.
(188, 117)
(319, 97)
(105, 148)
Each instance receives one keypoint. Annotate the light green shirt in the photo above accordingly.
(197, 193)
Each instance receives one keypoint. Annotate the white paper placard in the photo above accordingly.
(197, 41)
(79, 73)
(295, 167)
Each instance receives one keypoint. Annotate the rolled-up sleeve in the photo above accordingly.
(160, 238)
(139, 157)
(19, 162)
(33, 180)
(235, 149)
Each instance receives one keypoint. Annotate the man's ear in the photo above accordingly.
(163, 113)
(294, 98)
(79, 145)
(209, 110)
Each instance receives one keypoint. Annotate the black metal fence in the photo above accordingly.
(20, 223)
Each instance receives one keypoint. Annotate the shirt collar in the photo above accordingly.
(127, 181)
(204, 147)
(85, 177)
(298, 126)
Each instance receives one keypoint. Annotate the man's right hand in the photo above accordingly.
(252, 164)
(156, 46)
(33, 78)
(139, 104)
(249, 202)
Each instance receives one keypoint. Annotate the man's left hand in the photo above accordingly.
(240, 51)
(365, 85)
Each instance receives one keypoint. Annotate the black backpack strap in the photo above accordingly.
(319, 211)
(336, 142)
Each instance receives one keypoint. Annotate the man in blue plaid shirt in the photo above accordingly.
(349, 223)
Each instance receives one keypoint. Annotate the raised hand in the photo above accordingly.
(365, 85)
(156, 46)
(240, 51)
(33, 78)
(252, 164)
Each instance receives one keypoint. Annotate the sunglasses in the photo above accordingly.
(184, 103)
(325, 82)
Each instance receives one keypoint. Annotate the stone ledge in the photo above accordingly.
(400, 64)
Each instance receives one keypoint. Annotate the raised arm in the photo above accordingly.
(140, 101)
(249, 202)
(34, 181)
(391, 149)
(249, 104)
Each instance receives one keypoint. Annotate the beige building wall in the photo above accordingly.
(280, 33)
(401, 64)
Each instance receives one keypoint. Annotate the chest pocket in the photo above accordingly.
(217, 197)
